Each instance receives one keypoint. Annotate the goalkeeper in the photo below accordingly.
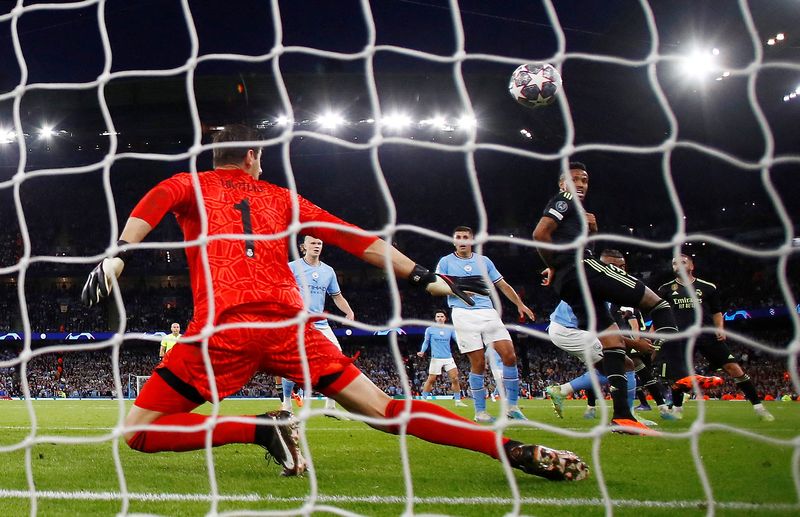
(251, 284)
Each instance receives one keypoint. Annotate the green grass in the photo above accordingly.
(360, 470)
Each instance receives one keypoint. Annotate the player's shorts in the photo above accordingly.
(237, 354)
(477, 327)
(716, 352)
(437, 365)
(576, 342)
(327, 331)
(607, 283)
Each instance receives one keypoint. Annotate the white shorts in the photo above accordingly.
(328, 333)
(476, 328)
(438, 364)
(576, 342)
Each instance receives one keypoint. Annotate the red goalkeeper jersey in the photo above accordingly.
(242, 270)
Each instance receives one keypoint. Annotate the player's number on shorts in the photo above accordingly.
(243, 206)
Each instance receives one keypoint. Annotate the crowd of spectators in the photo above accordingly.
(85, 374)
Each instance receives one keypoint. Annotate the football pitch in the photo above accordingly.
(360, 470)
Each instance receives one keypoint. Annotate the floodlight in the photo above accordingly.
(396, 121)
(45, 132)
(698, 64)
(330, 120)
(467, 122)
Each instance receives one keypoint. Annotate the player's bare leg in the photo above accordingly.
(455, 387)
(362, 397)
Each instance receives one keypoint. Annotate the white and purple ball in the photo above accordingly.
(535, 84)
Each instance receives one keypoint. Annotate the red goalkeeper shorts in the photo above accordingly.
(237, 354)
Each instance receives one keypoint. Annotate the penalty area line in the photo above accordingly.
(544, 501)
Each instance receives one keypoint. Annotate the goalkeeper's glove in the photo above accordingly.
(443, 285)
(101, 279)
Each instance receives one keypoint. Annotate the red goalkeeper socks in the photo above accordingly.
(176, 441)
(473, 438)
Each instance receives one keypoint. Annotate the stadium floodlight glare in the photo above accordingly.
(282, 120)
(771, 41)
(330, 120)
(698, 64)
(45, 132)
(396, 121)
(467, 122)
(436, 122)
(780, 36)
(7, 136)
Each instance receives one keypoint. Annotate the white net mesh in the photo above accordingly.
(622, 105)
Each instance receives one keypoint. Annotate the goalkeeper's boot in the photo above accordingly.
(702, 381)
(484, 418)
(514, 413)
(557, 398)
(461, 404)
(628, 426)
(763, 414)
(279, 437)
(545, 462)
(590, 413)
(643, 407)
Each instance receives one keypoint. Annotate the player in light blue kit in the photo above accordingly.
(480, 325)
(438, 337)
(316, 280)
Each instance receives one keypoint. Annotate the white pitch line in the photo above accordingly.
(545, 501)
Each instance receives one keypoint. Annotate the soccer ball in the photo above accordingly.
(535, 84)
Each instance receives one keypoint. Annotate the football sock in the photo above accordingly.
(631, 378)
(288, 386)
(279, 389)
(478, 391)
(641, 396)
(663, 318)
(583, 382)
(511, 383)
(745, 384)
(677, 397)
(655, 391)
(456, 395)
(591, 398)
(473, 438)
(175, 441)
(426, 395)
(614, 366)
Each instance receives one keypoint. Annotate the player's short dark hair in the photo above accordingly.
(463, 229)
(611, 252)
(687, 257)
(234, 133)
(442, 311)
(572, 165)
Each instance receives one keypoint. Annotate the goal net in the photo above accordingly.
(395, 115)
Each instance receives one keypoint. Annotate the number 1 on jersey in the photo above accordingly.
(247, 226)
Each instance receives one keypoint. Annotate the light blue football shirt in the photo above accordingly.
(321, 281)
(564, 315)
(438, 338)
(453, 265)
